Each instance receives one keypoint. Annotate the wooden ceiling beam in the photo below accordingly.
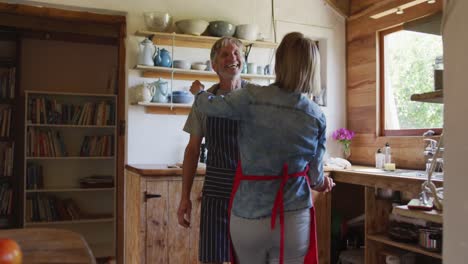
(340, 6)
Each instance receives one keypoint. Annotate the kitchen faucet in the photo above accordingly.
(430, 152)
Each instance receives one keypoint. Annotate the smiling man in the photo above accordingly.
(221, 140)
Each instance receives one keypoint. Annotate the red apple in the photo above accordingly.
(10, 252)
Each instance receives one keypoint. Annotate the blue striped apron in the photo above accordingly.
(221, 140)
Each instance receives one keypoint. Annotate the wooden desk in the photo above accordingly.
(46, 245)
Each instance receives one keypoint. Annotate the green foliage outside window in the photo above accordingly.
(409, 60)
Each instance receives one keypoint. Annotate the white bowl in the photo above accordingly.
(247, 31)
(199, 66)
(192, 26)
(157, 21)
(181, 64)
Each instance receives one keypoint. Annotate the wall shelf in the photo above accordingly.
(184, 40)
(80, 221)
(69, 126)
(432, 216)
(69, 190)
(406, 246)
(162, 108)
(183, 74)
(430, 97)
(71, 158)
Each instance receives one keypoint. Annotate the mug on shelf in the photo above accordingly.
(252, 68)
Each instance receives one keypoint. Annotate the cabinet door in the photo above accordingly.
(157, 223)
(178, 237)
(322, 203)
(166, 241)
(195, 229)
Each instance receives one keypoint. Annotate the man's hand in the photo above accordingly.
(196, 87)
(327, 186)
(184, 212)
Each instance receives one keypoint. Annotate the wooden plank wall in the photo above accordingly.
(362, 81)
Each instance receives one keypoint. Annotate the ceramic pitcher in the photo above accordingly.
(159, 90)
(146, 52)
(163, 58)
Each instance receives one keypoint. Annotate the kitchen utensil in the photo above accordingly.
(199, 66)
(192, 26)
(142, 93)
(181, 64)
(431, 239)
(181, 97)
(159, 90)
(247, 32)
(252, 68)
(157, 21)
(163, 58)
(221, 29)
(146, 52)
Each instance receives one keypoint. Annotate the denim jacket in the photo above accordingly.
(276, 127)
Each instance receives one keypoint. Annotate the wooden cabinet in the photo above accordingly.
(152, 232)
(355, 195)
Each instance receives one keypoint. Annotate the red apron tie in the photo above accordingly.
(311, 256)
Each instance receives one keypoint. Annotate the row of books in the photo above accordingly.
(5, 122)
(34, 177)
(6, 199)
(41, 208)
(99, 146)
(7, 82)
(6, 160)
(45, 143)
(43, 110)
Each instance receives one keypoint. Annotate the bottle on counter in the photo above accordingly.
(388, 153)
(379, 159)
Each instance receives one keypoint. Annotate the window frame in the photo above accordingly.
(392, 132)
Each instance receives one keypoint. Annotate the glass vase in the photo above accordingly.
(346, 150)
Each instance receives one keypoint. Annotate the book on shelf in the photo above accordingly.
(7, 155)
(7, 82)
(42, 110)
(6, 199)
(45, 143)
(34, 177)
(97, 146)
(5, 121)
(47, 208)
(97, 181)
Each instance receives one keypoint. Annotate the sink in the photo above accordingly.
(402, 173)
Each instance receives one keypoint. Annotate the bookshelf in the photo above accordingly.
(70, 164)
(9, 184)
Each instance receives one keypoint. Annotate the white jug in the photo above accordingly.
(146, 52)
(142, 93)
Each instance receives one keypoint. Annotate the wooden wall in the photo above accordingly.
(362, 81)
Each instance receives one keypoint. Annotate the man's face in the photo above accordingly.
(228, 62)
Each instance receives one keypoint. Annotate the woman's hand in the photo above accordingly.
(196, 87)
(327, 186)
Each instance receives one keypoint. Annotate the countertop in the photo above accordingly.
(361, 175)
(162, 169)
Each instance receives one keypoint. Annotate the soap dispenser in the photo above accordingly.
(388, 153)
(379, 159)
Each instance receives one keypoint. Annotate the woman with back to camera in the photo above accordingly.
(281, 143)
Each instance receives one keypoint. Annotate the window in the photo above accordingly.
(407, 67)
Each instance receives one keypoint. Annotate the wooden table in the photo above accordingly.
(47, 245)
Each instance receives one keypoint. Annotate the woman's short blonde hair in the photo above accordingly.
(298, 64)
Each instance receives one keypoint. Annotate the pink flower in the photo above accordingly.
(344, 135)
